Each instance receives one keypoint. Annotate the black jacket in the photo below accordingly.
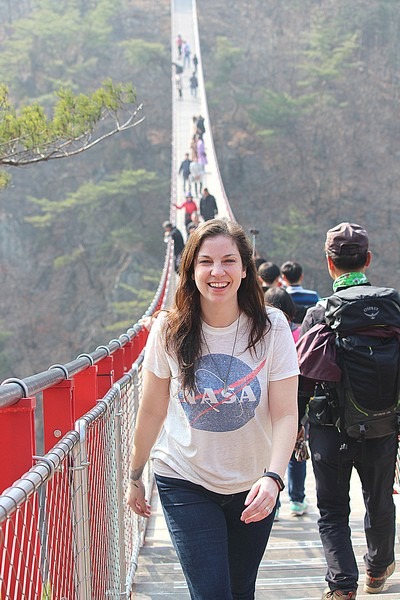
(208, 207)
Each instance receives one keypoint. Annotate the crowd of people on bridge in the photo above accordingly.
(220, 382)
(185, 62)
(198, 203)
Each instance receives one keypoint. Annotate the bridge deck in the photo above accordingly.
(293, 566)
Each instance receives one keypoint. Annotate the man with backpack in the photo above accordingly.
(349, 361)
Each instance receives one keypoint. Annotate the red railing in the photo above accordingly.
(55, 526)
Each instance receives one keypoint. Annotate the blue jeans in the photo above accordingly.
(296, 472)
(296, 478)
(219, 554)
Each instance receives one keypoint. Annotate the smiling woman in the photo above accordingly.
(218, 273)
(220, 380)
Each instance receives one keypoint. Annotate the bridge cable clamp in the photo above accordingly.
(47, 461)
(88, 356)
(63, 369)
(106, 348)
(19, 382)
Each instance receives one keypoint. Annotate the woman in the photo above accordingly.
(277, 296)
(201, 153)
(297, 469)
(220, 377)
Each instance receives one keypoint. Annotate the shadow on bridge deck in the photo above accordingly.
(293, 567)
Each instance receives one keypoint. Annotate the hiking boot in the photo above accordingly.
(298, 508)
(338, 595)
(374, 585)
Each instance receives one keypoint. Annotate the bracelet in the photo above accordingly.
(276, 478)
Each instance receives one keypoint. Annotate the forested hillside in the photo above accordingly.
(81, 246)
(309, 133)
(303, 99)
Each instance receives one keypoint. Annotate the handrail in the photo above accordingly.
(12, 390)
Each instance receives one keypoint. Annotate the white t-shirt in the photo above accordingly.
(215, 438)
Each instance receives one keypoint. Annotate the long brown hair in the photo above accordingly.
(183, 335)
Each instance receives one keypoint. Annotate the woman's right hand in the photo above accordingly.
(135, 498)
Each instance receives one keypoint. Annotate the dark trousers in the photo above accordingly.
(296, 475)
(376, 472)
(219, 554)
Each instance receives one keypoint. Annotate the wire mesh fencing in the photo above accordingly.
(66, 531)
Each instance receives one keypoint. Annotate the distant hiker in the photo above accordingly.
(170, 231)
(194, 85)
(179, 43)
(201, 153)
(200, 125)
(189, 205)
(196, 177)
(178, 68)
(186, 55)
(208, 206)
(194, 121)
(185, 170)
(179, 85)
(195, 62)
(193, 148)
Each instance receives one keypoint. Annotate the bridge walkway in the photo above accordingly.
(184, 22)
(293, 567)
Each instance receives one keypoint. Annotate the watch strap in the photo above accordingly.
(276, 478)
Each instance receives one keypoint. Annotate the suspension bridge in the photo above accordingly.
(65, 530)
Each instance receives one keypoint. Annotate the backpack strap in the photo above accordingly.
(341, 399)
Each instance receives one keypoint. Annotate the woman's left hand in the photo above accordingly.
(260, 501)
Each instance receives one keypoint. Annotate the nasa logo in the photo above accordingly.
(212, 408)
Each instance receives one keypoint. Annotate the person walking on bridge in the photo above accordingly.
(186, 55)
(208, 206)
(179, 44)
(170, 231)
(292, 278)
(189, 205)
(220, 384)
(185, 170)
(335, 448)
(194, 84)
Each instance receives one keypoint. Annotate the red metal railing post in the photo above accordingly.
(105, 375)
(139, 342)
(58, 412)
(128, 356)
(18, 445)
(86, 391)
(119, 356)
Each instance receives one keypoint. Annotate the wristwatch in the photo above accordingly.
(276, 478)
